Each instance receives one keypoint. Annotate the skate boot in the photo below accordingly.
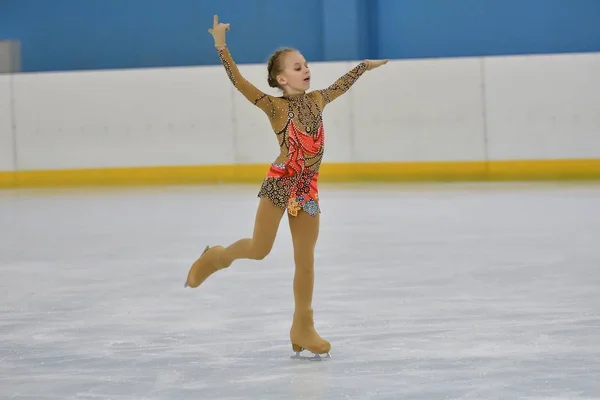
(304, 337)
(207, 264)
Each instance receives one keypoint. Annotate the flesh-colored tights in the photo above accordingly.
(304, 229)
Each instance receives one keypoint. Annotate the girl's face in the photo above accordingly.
(295, 77)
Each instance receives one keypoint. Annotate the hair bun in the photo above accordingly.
(272, 82)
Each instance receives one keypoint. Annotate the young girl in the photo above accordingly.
(291, 181)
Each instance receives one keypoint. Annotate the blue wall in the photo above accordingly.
(453, 28)
(97, 34)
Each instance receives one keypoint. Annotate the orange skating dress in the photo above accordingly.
(291, 181)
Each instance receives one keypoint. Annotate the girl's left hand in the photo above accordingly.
(372, 64)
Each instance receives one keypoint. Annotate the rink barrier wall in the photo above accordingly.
(491, 118)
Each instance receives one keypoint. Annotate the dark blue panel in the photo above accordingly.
(370, 31)
(346, 27)
(97, 34)
(447, 28)
(90, 34)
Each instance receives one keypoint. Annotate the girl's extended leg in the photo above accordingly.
(266, 224)
(305, 231)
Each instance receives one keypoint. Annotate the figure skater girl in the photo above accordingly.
(291, 181)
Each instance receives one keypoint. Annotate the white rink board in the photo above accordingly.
(543, 107)
(146, 117)
(6, 133)
(420, 110)
(466, 109)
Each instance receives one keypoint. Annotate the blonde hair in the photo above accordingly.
(275, 65)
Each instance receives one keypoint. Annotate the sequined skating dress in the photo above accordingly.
(291, 181)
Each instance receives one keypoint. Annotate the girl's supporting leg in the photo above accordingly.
(305, 231)
(266, 224)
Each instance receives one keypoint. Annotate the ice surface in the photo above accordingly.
(448, 291)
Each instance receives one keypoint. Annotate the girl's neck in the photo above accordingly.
(293, 93)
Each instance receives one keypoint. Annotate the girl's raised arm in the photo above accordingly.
(250, 92)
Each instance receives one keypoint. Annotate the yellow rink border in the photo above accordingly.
(330, 172)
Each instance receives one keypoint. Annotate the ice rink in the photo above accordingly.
(426, 291)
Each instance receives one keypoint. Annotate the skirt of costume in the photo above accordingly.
(291, 190)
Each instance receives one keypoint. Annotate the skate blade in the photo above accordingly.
(314, 357)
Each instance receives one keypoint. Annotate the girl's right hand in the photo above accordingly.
(218, 32)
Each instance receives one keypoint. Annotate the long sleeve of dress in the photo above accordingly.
(343, 84)
(250, 92)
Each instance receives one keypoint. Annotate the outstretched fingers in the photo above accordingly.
(217, 24)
